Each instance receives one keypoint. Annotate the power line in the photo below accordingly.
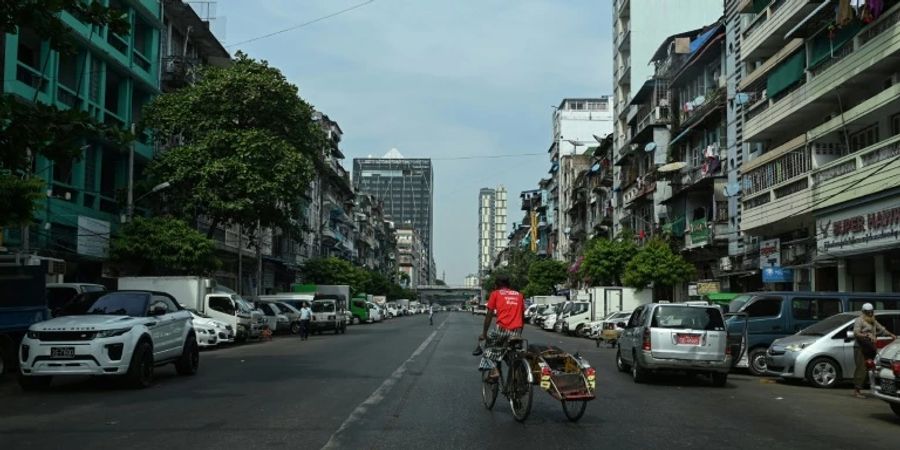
(304, 24)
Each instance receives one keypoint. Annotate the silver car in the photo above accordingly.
(887, 375)
(679, 337)
(822, 354)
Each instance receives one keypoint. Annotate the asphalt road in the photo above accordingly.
(405, 384)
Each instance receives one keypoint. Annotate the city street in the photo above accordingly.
(405, 384)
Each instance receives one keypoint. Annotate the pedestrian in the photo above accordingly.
(431, 314)
(305, 316)
(865, 331)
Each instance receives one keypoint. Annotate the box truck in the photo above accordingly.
(200, 294)
(601, 301)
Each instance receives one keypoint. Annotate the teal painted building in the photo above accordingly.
(111, 77)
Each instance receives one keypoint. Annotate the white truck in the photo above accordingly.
(199, 294)
(403, 304)
(595, 303)
(547, 299)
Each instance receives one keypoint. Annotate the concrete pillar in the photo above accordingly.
(882, 275)
(843, 277)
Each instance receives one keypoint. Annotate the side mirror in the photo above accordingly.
(850, 335)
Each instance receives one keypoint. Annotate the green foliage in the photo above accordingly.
(605, 260)
(361, 281)
(440, 282)
(657, 264)
(162, 246)
(519, 260)
(543, 276)
(31, 129)
(248, 143)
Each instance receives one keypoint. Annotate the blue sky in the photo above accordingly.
(439, 79)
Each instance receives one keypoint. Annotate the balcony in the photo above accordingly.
(623, 39)
(864, 60)
(623, 8)
(778, 188)
(765, 35)
(178, 71)
(655, 116)
(868, 171)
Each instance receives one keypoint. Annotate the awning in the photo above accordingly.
(696, 122)
(807, 19)
(672, 167)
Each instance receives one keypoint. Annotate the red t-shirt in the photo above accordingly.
(509, 306)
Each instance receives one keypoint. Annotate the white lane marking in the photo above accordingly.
(378, 395)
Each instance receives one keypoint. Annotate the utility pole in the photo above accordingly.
(259, 266)
(130, 207)
(240, 280)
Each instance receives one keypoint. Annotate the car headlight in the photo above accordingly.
(33, 334)
(111, 333)
(796, 347)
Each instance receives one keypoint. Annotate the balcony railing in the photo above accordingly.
(784, 169)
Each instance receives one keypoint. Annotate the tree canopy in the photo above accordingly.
(162, 246)
(605, 261)
(543, 276)
(655, 263)
(334, 270)
(244, 148)
(29, 129)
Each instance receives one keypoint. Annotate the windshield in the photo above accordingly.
(90, 288)
(121, 304)
(621, 315)
(828, 325)
(689, 317)
(578, 308)
(738, 303)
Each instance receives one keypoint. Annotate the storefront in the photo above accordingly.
(860, 245)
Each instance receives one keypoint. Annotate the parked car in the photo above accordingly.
(480, 310)
(257, 317)
(59, 295)
(206, 335)
(822, 354)
(223, 332)
(887, 375)
(771, 315)
(277, 322)
(678, 337)
(293, 315)
(124, 333)
(613, 326)
(327, 316)
(374, 312)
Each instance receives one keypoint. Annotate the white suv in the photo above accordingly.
(123, 333)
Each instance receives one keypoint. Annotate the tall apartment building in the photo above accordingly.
(404, 185)
(411, 257)
(578, 124)
(821, 130)
(492, 213)
(110, 77)
(638, 28)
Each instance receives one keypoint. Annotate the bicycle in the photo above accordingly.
(518, 383)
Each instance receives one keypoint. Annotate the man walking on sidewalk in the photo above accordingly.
(431, 314)
(305, 316)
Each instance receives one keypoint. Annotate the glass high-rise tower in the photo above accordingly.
(404, 185)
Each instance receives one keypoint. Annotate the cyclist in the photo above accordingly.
(508, 306)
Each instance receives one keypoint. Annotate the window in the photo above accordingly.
(59, 296)
(266, 309)
(635, 318)
(688, 317)
(121, 303)
(165, 302)
(222, 305)
(864, 138)
(856, 304)
(764, 307)
(895, 124)
(815, 308)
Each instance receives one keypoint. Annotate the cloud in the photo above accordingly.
(440, 79)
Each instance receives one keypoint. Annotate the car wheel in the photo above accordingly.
(189, 361)
(29, 384)
(140, 371)
(719, 379)
(638, 375)
(895, 407)
(620, 363)
(295, 328)
(823, 373)
(756, 361)
(337, 329)
(579, 331)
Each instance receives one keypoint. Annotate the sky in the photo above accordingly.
(438, 79)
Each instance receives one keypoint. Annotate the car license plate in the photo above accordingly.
(688, 339)
(62, 352)
(888, 387)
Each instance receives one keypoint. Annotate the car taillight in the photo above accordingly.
(727, 350)
(647, 344)
(896, 368)
(591, 377)
(545, 377)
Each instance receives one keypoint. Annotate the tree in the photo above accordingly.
(439, 282)
(29, 129)
(245, 146)
(605, 260)
(657, 264)
(162, 246)
(543, 277)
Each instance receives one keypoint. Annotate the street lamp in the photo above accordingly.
(130, 208)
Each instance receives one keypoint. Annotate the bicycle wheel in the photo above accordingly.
(489, 390)
(520, 391)
(574, 409)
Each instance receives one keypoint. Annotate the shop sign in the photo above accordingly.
(859, 228)
(708, 287)
(93, 237)
(769, 253)
(699, 232)
(777, 275)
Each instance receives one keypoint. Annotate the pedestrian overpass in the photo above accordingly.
(446, 295)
